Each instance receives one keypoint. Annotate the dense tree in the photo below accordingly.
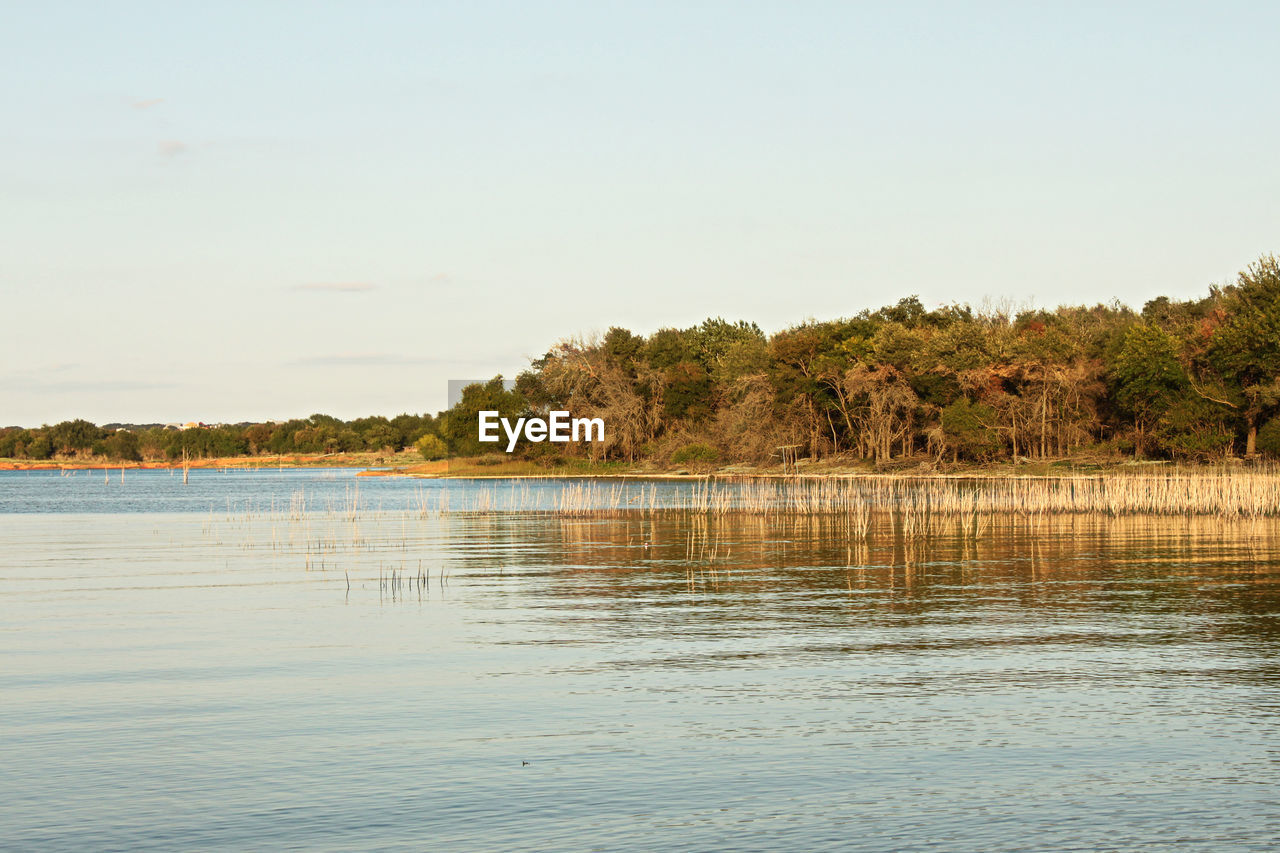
(668, 347)
(123, 445)
(319, 434)
(69, 437)
(1195, 379)
(715, 339)
(41, 447)
(1147, 379)
(1269, 438)
(688, 392)
(1244, 350)
(622, 348)
(969, 430)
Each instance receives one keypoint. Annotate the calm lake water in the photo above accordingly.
(297, 659)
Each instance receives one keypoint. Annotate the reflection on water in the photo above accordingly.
(264, 677)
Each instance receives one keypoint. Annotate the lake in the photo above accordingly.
(302, 659)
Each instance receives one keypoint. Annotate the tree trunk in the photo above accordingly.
(1044, 423)
(1251, 438)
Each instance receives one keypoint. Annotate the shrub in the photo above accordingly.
(431, 447)
(695, 453)
(1196, 429)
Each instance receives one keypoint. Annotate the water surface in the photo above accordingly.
(229, 666)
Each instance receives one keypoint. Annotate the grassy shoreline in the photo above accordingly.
(288, 460)
(919, 498)
(409, 464)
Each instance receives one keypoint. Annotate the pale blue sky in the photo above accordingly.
(228, 211)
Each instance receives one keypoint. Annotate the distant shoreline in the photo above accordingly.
(409, 464)
(291, 460)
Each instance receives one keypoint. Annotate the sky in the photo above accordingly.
(250, 211)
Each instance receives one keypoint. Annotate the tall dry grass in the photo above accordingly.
(1225, 494)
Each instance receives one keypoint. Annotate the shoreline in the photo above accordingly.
(405, 465)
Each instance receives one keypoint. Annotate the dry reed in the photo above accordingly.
(920, 503)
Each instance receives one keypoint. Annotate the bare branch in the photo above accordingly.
(1209, 397)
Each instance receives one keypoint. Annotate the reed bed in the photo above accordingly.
(742, 532)
(1228, 494)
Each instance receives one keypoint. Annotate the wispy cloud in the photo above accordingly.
(337, 286)
(171, 148)
(146, 103)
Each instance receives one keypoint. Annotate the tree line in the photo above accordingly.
(1193, 380)
(318, 434)
(1186, 380)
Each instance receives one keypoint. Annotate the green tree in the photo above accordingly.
(122, 445)
(71, 436)
(257, 436)
(970, 430)
(688, 392)
(1196, 429)
(1269, 438)
(908, 312)
(715, 338)
(283, 437)
(40, 447)
(409, 428)
(668, 347)
(1245, 348)
(1148, 379)
(808, 364)
(622, 348)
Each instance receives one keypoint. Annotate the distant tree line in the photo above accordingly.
(1184, 380)
(318, 434)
